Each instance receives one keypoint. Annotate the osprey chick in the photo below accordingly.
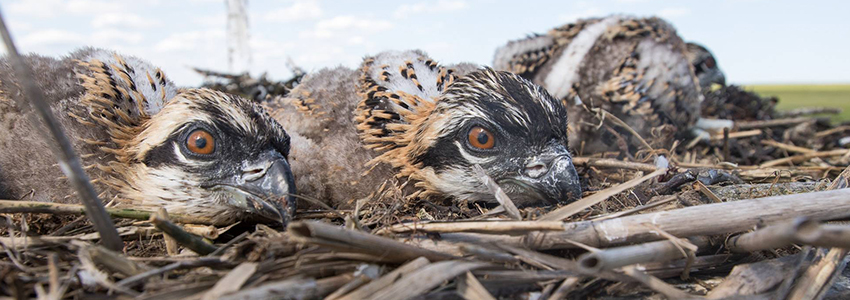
(147, 144)
(429, 124)
(705, 67)
(634, 68)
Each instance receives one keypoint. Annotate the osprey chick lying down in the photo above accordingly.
(635, 68)
(431, 125)
(146, 144)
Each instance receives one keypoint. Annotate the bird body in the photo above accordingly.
(145, 143)
(633, 68)
(403, 116)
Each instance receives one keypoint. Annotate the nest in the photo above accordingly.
(749, 213)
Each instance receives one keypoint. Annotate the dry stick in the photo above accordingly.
(772, 123)
(470, 288)
(817, 279)
(15, 206)
(425, 279)
(798, 231)
(803, 157)
(386, 280)
(726, 217)
(565, 288)
(831, 131)
(809, 111)
(497, 191)
(354, 240)
(726, 135)
(69, 162)
(231, 282)
(613, 163)
(195, 263)
(292, 289)
(191, 241)
(612, 258)
(504, 227)
(114, 261)
(663, 201)
(786, 147)
(578, 206)
(656, 284)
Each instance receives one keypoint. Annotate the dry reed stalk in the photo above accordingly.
(816, 280)
(498, 193)
(737, 135)
(612, 258)
(424, 279)
(796, 159)
(575, 207)
(787, 147)
(386, 280)
(613, 163)
(292, 289)
(188, 240)
(470, 288)
(497, 227)
(353, 240)
(729, 217)
(656, 284)
(772, 123)
(16, 206)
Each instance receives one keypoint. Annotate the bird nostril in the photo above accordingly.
(253, 173)
(535, 170)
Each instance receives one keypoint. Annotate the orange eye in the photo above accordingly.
(481, 138)
(201, 142)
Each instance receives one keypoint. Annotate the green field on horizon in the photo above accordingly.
(808, 95)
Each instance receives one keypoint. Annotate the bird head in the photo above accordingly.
(196, 152)
(512, 128)
(509, 126)
(705, 66)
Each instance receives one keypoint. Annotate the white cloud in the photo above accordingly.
(108, 37)
(301, 10)
(50, 37)
(429, 7)
(335, 26)
(674, 12)
(192, 40)
(587, 13)
(123, 20)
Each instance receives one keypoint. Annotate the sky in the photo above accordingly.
(755, 41)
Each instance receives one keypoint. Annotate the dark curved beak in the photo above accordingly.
(270, 186)
(549, 178)
(561, 183)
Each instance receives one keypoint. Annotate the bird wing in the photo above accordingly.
(524, 57)
(397, 89)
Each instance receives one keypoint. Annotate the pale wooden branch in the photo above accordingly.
(729, 217)
(772, 123)
(613, 163)
(16, 206)
(353, 240)
(191, 241)
(498, 227)
(575, 207)
(386, 280)
(796, 159)
(612, 258)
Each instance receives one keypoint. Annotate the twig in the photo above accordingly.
(498, 193)
(195, 263)
(803, 157)
(69, 162)
(735, 216)
(386, 280)
(612, 258)
(354, 240)
(613, 163)
(656, 284)
(736, 135)
(191, 241)
(424, 279)
(772, 123)
(15, 206)
(470, 288)
(787, 147)
(503, 227)
(575, 207)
